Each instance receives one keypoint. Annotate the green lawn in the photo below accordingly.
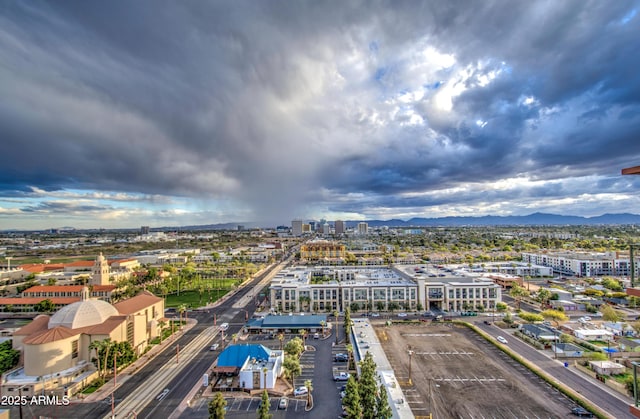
(191, 299)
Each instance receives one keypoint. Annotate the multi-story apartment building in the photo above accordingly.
(378, 289)
(321, 249)
(442, 290)
(584, 264)
(339, 227)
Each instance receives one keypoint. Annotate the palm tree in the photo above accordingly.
(97, 346)
(518, 293)
(303, 333)
(309, 386)
(162, 324)
(182, 309)
(349, 348)
(281, 339)
(323, 324)
(108, 344)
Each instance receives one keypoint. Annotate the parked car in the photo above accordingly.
(581, 411)
(402, 314)
(341, 357)
(502, 340)
(316, 335)
(342, 376)
(375, 314)
(284, 402)
(214, 346)
(300, 391)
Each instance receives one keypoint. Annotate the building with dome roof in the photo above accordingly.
(55, 349)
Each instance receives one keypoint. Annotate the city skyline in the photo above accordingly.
(166, 114)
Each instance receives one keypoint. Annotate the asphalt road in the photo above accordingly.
(179, 386)
(598, 395)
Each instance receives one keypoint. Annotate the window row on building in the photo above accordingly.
(377, 289)
(584, 264)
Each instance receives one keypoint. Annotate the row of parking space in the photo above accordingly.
(531, 377)
(307, 362)
(251, 404)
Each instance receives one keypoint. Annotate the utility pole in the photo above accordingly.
(411, 352)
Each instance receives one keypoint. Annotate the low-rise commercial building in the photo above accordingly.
(407, 287)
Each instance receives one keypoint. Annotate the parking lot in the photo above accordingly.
(457, 374)
(317, 365)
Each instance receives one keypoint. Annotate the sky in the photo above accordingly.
(121, 114)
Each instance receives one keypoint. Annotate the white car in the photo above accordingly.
(283, 403)
(214, 346)
(402, 314)
(300, 391)
(502, 340)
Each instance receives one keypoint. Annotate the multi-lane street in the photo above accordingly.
(183, 361)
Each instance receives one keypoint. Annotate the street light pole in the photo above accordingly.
(411, 352)
(635, 383)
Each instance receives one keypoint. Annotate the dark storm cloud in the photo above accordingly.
(268, 103)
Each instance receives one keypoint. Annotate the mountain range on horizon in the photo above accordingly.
(535, 219)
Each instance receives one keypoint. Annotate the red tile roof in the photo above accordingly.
(39, 324)
(67, 288)
(133, 305)
(35, 268)
(39, 333)
(80, 263)
(51, 335)
(36, 300)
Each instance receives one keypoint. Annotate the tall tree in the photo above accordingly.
(216, 407)
(351, 400)
(383, 410)
(292, 368)
(294, 347)
(518, 293)
(543, 297)
(265, 404)
(309, 386)
(367, 387)
(97, 345)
